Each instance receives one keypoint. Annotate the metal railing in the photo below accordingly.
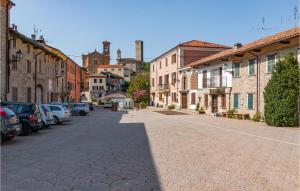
(214, 82)
(163, 86)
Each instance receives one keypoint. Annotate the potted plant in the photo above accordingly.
(201, 110)
(171, 107)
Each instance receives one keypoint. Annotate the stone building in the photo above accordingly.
(165, 71)
(32, 70)
(132, 64)
(97, 86)
(95, 59)
(236, 78)
(5, 6)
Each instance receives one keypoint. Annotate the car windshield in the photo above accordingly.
(45, 108)
(9, 112)
(65, 108)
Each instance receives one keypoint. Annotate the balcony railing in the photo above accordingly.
(162, 87)
(214, 82)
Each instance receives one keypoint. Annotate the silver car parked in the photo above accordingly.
(60, 113)
(46, 115)
(79, 109)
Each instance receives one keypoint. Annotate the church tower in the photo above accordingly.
(106, 50)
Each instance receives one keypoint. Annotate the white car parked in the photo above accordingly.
(60, 113)
(46, 115)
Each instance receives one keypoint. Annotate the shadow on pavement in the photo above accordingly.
(96, 153)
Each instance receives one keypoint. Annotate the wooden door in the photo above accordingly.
(214, 105)
(184, 100)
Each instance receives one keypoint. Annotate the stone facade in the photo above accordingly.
(117, 70)
(97, 86)
(32, 77)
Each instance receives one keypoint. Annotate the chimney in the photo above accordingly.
(41, 40)
(139, 50)
(238, 45)
(33, 37)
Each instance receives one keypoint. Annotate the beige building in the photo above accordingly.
(97, 86)
(117, 70)
(236, 78)
(165, 72)
(5, 6)
(33, 75)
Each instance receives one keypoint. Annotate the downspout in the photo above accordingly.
(35, 74)
(257, 83)
(7, 55)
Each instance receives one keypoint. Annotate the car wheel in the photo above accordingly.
(56, 120)
(82, 113)
(26, 130)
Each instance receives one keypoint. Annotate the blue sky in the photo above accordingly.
(80, 26)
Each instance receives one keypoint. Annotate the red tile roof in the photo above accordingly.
(197, 43)
(110, 66)
(291, 33)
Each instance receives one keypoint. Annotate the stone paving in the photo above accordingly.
(144, 150)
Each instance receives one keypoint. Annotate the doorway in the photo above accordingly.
(184, 100)
(214, 105)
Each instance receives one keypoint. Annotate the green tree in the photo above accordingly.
(140, 81)
(281, 93)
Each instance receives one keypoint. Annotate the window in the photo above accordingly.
(193, 98)
(270, 62)
(174, 97)
(167, 79)
(153, 82)
(14, 63)
(166, 60)
(95, 80)
(206, 100)
(160, 80)
(28, 94)
(40, 66)
(250, 101)
(173, 58)
(28, 66)
(112, 69)
(100, 80)
(14, 43)
(95, 62)
(160, 64)
(120, 69)
(105, 70)
(223, 101)
(236, 69)
(55, 108)
(28, 48)
(153, 67)
(251, 67)
(14, 94)
(236, 101)
(173, 77)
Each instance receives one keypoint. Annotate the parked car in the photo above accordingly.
(79, 109)
(10, 125)
(60, 113)
(107, 105)
(46, 115)
(28, 114)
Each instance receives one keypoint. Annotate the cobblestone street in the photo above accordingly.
(144, 150)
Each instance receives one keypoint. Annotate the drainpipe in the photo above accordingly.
(257, 82)
(35, 74)
(7, 54)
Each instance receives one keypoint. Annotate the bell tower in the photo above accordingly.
(106, 51)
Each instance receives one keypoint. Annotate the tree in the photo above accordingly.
(282, 92)
(139, 87)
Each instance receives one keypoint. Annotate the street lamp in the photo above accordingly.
(19, 55)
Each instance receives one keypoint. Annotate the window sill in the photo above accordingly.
(249, 75)
(236, 77)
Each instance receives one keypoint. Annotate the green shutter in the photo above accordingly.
(236, 101)
(271, 62)
(236, 69)
(250, 101)
(251, 67)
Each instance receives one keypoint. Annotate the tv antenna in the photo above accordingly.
(296, 15)
(263, 26)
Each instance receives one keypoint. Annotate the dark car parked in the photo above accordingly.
(28, 114)
(10, 125)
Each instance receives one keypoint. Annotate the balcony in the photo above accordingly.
(214, 82)
(163, 87)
